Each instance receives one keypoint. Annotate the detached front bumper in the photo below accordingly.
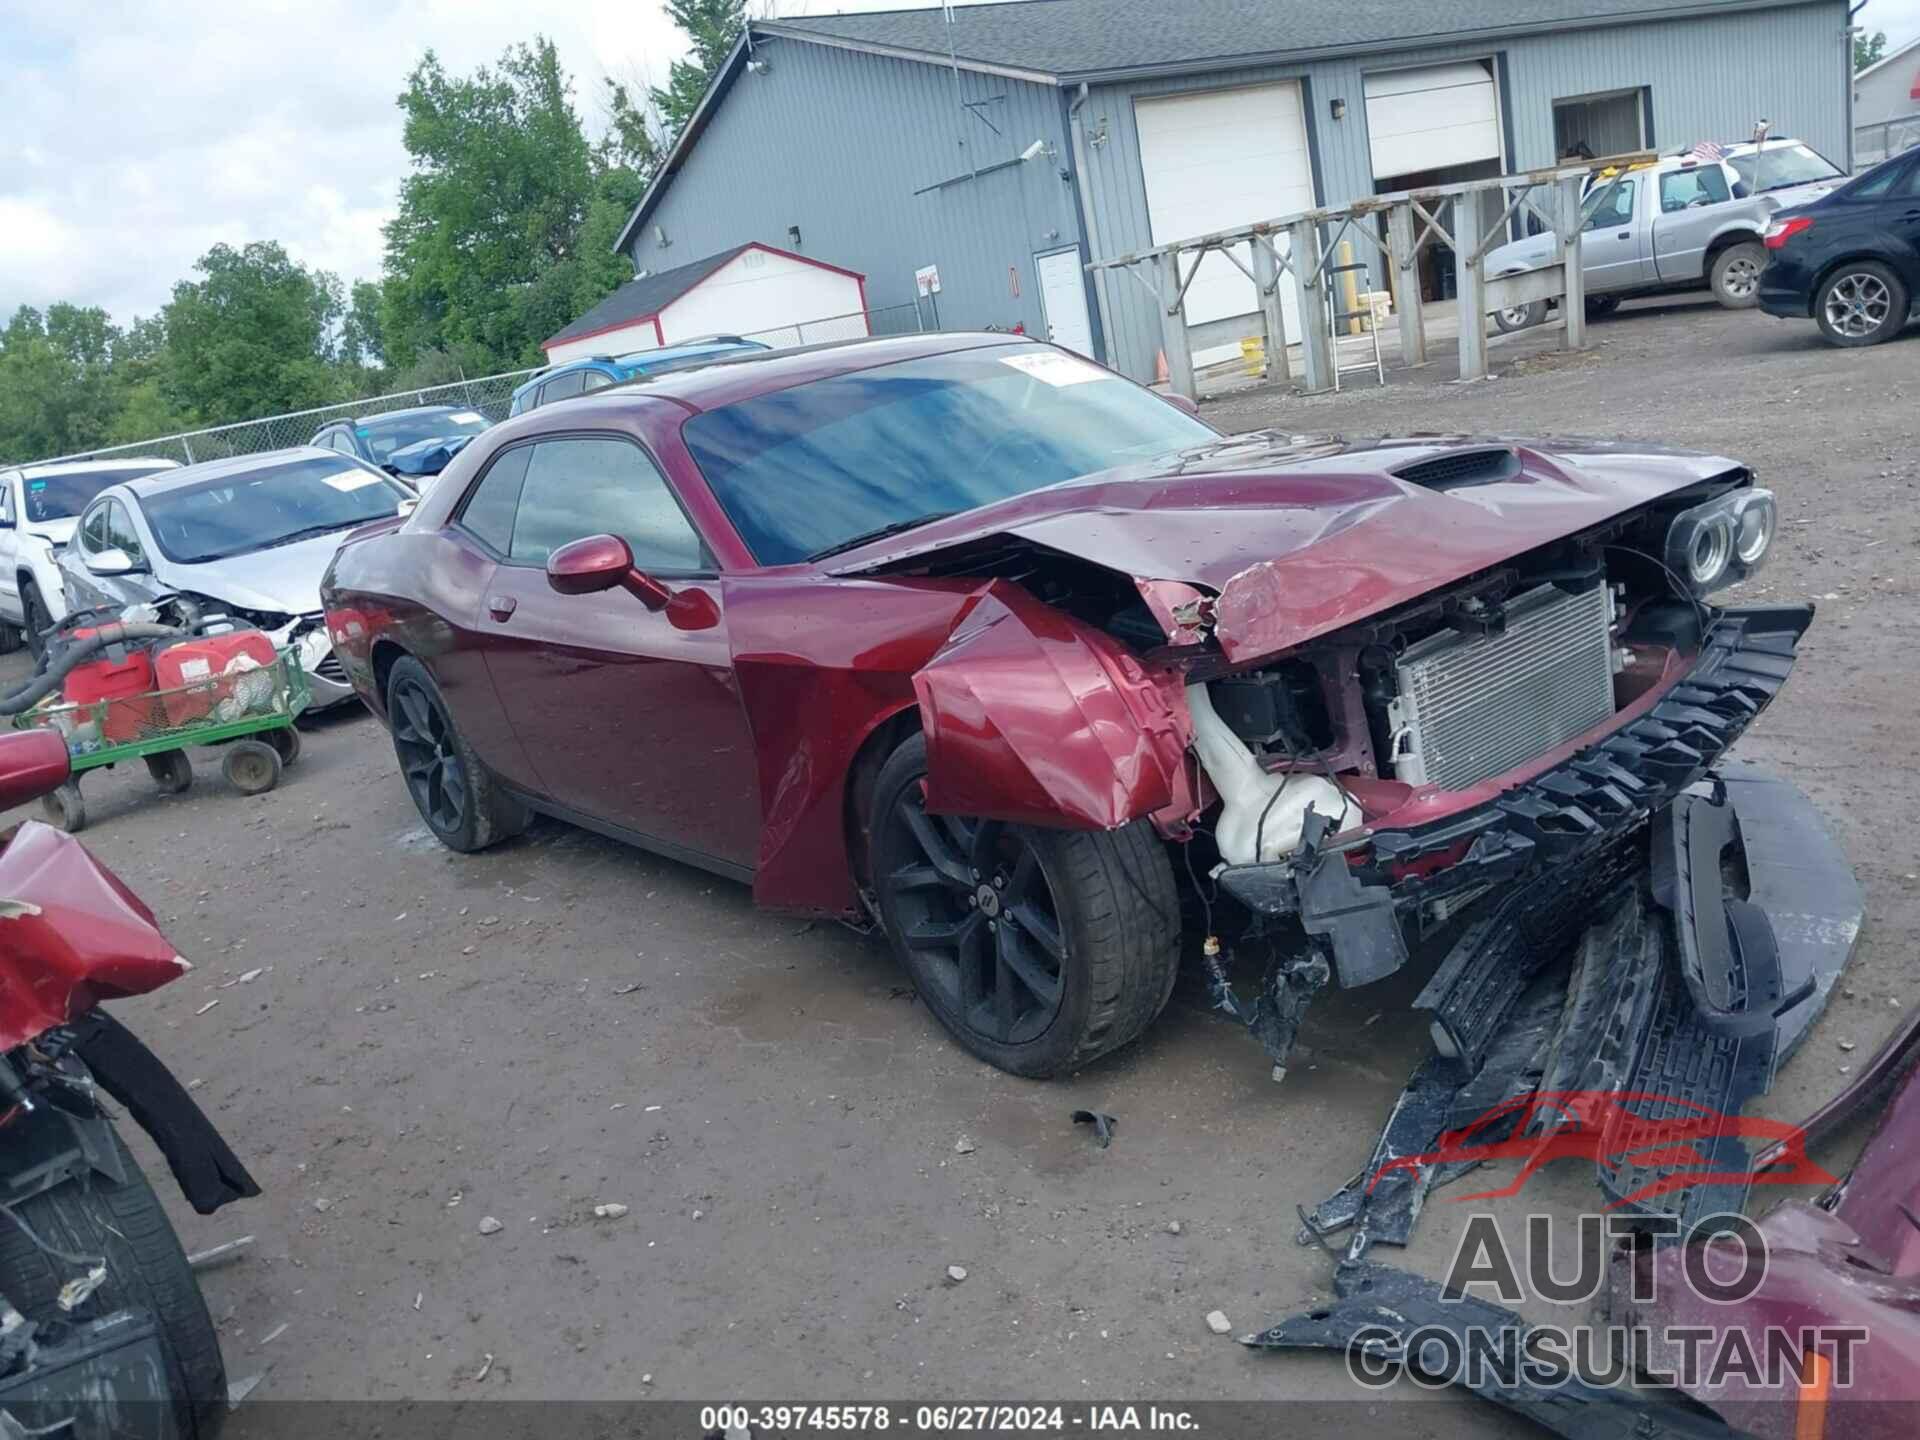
(1372, 900)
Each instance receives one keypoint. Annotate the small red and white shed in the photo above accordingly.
(754, 290)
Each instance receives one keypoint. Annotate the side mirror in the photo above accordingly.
(601, 562)
(111, 562)
(1181, 402)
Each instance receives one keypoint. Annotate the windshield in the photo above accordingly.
(807, 470)
(383, 437)
(275, 505)
(61, 497)
(1781, 165)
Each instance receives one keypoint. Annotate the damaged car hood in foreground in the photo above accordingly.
(1297, 536)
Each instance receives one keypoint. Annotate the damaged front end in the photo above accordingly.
(1462, 766)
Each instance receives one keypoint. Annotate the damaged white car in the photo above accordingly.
(248, 537)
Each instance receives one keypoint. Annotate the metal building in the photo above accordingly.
(1005, 146)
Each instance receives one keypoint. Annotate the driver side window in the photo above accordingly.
(577, 488)
(93, 530)
(1615, 208)
(121, 535)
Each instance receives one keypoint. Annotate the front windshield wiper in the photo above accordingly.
(881, 533)
(310, 532)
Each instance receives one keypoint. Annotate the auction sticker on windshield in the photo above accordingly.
(1055, 368)
(351, 480)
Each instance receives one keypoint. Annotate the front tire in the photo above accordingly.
(1861, 303)
(146, 1270)
(1736, 275)
(1520, 317)
(38, 619)
(1039, 950)
(465, 807)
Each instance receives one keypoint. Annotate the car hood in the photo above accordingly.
(426, 457)
(1528, 254)
(1297, 536)
(285, 578)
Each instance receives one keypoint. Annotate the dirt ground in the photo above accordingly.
(433, 1039)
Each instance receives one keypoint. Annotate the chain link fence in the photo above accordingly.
(488, 395)
(887, 320)
(1874, 143)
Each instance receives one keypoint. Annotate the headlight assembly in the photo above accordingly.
(1722, 541)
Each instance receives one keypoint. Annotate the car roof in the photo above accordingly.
(232, 465)
(758, 372)
(82, 467)
(396, 414)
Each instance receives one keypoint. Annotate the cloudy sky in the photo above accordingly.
(138, 134)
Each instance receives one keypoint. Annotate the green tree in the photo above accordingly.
(254, 337)
(506, 225)
(712, 28)
(1868, 49)
(501, 182)
(360, 334)
(56, 383)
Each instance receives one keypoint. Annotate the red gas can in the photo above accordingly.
(189, 674)
(126, 684)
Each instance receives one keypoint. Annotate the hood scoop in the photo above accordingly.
(1458, 469)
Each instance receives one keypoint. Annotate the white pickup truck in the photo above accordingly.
(38, 509)
(1677, 223)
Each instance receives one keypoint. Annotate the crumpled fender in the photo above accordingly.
(1032, 717)
(70, 934)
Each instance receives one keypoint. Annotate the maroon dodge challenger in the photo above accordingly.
(968, 637)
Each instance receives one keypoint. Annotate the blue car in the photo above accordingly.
(577, 377)
(1850, 261)
(417, 442)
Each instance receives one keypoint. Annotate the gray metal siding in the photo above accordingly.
(837, 142)
(1709, 78)
(1887, 94)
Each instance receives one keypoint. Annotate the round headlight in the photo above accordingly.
(1756, 528)
(1710, 550)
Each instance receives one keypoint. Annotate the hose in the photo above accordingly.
(74, 653)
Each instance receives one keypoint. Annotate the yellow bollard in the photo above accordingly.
(1253, 353)
(1349, 286)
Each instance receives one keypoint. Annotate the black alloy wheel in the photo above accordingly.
(973, 900)
(459, 798)
(1039, 949)
(429, 760)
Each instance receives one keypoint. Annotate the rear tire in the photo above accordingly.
(1861, 303)
(1039, 950)
(146, 1270)
(286, 741)
(1601, 306)
(464, 805)
(12, 637)
(1736, 275)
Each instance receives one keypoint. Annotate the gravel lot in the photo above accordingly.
(564, 1022)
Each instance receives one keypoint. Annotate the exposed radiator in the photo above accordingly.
(1473, 706)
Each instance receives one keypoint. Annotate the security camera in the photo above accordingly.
(1034, 151)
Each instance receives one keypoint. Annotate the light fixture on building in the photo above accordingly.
(793, 236)
(758, 67)
(660, 234)
(1338, 107)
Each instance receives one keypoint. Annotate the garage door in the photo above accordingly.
(1431, 118)
(1217, 160)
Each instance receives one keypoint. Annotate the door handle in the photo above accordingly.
(501, 606)
(1624, 235)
